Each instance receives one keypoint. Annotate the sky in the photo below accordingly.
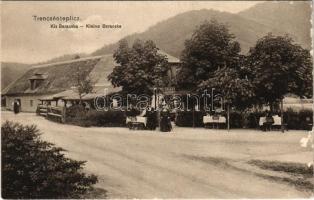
(25, 40)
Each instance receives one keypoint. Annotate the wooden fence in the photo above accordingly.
(53, 113)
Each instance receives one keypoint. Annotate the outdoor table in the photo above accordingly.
(141, 120)
(136, 121)
(277, 122)
(214, 120)
(262, 120)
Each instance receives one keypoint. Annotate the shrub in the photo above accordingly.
(298, 120)
(253, 119)
(236, 120)
(75, 111)
(110, 118)
(292, 119)
(32, 168)
(306, 119)
(185, 118)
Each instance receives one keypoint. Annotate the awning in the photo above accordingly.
(73, 95)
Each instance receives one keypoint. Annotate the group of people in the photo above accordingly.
(164, 119)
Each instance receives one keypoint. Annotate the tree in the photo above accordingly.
(234, 89)
(83, 84)
(32, 168)
(211, 47)
(140, 68)
(277, 67)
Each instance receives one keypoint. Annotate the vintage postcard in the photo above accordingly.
(156, 99)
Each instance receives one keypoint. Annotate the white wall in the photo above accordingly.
(25, 102)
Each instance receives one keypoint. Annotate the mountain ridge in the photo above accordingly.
(248, 26)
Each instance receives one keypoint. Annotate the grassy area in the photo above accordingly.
(301, 175)
(291, 168)
(301, 184)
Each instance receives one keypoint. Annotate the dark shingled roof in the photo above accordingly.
(57, 77)
(72, 94)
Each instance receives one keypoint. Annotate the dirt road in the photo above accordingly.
(188, 163)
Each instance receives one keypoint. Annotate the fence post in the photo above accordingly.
(47, 111)
(63, 115)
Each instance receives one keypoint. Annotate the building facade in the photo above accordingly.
(58, 79)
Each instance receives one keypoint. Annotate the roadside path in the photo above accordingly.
(188, 163)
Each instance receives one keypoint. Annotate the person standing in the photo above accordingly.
(165, 122)
(269, 121)
(16, 106)
(151, 119)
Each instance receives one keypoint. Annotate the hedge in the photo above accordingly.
(110, 118)
(185, 118)
(299, 120)
(295, 120)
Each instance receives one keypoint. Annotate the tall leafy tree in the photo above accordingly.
(235, 89)
(140, 68)
(211, 47)
(211, 59)
(277, 66)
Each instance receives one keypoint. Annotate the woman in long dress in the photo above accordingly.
(151, 119)
(165, 122)
(16, 107)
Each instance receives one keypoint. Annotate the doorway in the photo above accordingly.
(20, 104)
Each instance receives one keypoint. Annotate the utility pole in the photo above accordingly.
(228, 116)
(213, 99)
(193, 110)
(281, 113)
(155, 93)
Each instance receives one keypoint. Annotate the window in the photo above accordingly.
(32, 84)
(31, 103)
(36, 80)
(3, 102)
